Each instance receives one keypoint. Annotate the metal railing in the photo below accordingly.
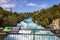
(32, 36)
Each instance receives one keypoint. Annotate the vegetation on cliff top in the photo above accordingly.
(46, 16)
(7, 18)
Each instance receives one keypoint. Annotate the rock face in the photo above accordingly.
(55, 25)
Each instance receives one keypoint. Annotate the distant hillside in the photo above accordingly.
(7, 18)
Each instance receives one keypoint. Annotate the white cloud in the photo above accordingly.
(43, 5)
(7, 5)
(37, 5)
(31, 4)
(4, 1)
(12, 3)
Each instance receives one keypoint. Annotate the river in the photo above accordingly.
(28, 23)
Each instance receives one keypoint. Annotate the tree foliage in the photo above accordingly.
(8, 18)
(45, 16)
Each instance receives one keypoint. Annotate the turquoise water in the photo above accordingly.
(28, 23)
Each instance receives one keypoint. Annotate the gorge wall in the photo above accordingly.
(55, 25)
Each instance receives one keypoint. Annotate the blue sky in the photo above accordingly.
(27, 5)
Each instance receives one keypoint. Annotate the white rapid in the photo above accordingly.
(28, 23)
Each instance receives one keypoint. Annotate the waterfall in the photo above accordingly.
(28, 23)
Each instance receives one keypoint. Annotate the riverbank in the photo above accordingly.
(11, 19)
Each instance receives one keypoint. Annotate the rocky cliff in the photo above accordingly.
(55, 25)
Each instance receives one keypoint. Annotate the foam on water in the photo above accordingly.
(27, 23)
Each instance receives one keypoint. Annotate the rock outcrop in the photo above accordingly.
(55, 25)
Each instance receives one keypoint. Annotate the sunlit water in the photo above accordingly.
(28, 23)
